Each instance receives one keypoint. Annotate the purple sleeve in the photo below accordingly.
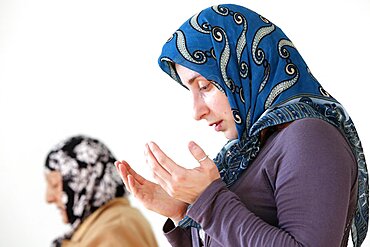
(177, 236)
(312, 188)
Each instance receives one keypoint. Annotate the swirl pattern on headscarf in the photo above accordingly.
(88, 175)
(267, 83)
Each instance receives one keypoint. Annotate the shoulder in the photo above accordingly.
(125, 225)
(312, 134)
(121, 213)
(116, 214)
(118, 222)
(311, 129)
(314, 143)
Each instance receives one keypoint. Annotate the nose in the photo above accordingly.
(50, 195)
(200, 108)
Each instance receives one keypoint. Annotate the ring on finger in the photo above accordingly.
(203, 159)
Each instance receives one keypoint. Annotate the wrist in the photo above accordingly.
(175, 222)
(176, 219)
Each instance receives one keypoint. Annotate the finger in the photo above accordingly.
(199, 154)
(166, 162)
(165, 185)
(125, 170)
(132, 172)
(137, 189)
(137, 176)
(132, 184)
(123, 173)
(156, 167)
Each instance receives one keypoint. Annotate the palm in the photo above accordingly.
(150, 194)
(156, 199)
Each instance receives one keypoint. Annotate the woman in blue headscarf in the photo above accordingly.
(293, 172)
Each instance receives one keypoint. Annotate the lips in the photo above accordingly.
(217, 125)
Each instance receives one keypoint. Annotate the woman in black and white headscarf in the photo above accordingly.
(84, 185)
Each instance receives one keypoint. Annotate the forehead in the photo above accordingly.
(187, 76)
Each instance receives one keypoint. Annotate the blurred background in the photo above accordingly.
(90, 67)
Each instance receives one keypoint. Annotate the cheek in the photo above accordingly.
(216, 102)
(223, 106)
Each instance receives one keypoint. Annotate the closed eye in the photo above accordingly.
(205, 87)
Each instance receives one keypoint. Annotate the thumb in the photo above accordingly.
(199, 154)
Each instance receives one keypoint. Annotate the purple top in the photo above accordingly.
(301, 190)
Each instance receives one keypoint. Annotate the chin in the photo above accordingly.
(230, 136)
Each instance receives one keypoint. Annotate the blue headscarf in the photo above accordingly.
(267, 83)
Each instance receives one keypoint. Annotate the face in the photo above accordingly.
(54, 192)
(209, 103)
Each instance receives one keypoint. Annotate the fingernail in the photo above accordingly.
(116, 163)
(151, 145)
(192, 145)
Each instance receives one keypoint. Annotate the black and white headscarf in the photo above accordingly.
(89, 178)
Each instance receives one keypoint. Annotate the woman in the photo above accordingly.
(293, 172)
(82, 183)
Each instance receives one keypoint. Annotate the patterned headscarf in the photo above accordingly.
(267, 83)
(89, 178)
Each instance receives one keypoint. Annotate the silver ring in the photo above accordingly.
(203, 159)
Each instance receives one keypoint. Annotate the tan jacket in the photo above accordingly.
(114, 224)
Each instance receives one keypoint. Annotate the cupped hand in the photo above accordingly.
(150, 194)
(181, 183)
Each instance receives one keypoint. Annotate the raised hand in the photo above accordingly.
(181, 183)
(150, 194)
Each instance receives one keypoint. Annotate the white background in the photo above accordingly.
(87, 66)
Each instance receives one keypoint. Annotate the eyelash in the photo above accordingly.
(204, 87)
